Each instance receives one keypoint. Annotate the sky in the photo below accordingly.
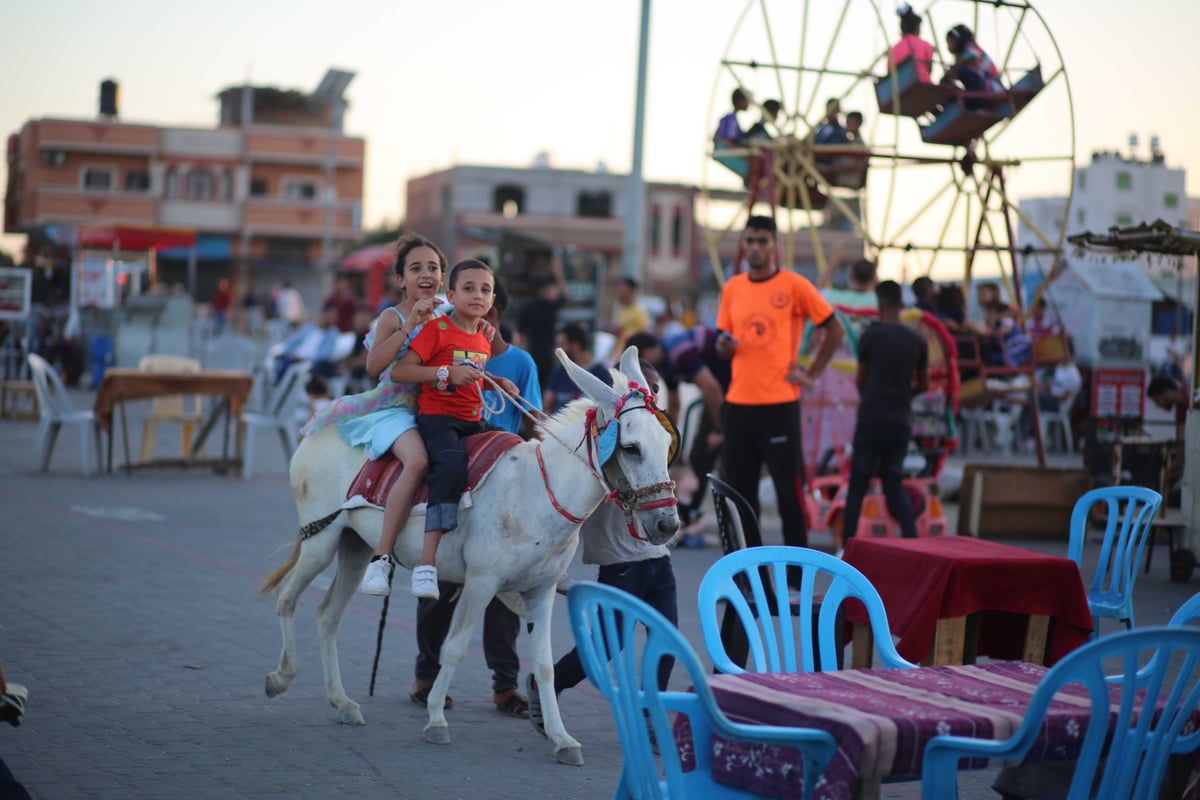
(498, 81)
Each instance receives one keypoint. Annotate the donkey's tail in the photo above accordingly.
(306, 531)
(279, 574)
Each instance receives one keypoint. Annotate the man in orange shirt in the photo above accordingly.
(762, 315)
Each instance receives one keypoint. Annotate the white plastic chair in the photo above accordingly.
(55, 410)
(1061, 422)
(187, 410)
(276, 413)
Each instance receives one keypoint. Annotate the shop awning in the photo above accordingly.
(369, 258)
(133, 237)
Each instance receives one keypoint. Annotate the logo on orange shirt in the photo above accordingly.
(779, 300)
(757, 331)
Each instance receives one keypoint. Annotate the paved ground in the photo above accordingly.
(127, 607)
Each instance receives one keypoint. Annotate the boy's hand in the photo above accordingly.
(463, 374)
(508, 386)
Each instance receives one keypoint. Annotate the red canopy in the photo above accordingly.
(134, 237)
(369, 258)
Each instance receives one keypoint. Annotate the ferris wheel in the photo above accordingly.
(930, 182)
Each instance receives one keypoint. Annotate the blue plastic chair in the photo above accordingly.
(754, 579)
(1136, 758)
(605, 622)
(1125, 533)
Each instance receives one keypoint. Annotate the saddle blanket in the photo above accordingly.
(371, 485)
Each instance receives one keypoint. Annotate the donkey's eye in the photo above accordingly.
(631, 449)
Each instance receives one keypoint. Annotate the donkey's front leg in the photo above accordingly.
(476, 595)
(539, 604)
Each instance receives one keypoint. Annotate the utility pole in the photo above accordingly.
(634, 249)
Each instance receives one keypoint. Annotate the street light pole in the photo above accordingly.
(634, 249)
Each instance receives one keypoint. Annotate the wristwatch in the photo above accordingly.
(443, 377)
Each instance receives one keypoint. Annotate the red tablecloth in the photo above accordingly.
(881, 720)
(924, 580)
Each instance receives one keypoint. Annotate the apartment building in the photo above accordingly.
(272, 191)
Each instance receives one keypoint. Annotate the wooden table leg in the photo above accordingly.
(949, 640)
(863, 648)
(125, 439)
(1036, 634)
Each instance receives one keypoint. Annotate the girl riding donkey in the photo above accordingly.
(383, 419)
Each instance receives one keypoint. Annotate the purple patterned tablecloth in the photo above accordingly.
(881, 720)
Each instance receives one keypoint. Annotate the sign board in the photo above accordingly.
(97, 284)
(1118, 392)
(16, 286)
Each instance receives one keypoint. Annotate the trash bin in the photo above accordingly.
(101, 356)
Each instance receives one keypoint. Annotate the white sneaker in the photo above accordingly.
(424, 582)
(378, 578)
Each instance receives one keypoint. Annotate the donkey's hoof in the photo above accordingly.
(437, 734)
(274, 688)
(351, 715)
(571, 756)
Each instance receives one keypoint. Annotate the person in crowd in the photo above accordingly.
(861, 277)
(344, 302)
(911, 45)
(1055, 389)
(972, 67)
(448, 359)
(729, 132)
(1171, 395)
(893, 367)
(383, 419)
(692, 356)
(763, 311)
(222, 299)
(315, 342)
(393, 296)
(642, 569)
(538, 320)
(925, 290)
(1176, 355)
(951, 305)
(628, 315)
(759, 132)
(559, 389)
(1010, 347)
(289, 305)
(1040, 325)
(500, 624)
(354, 366)
(316, 388)
(854, 121)
(830, 131)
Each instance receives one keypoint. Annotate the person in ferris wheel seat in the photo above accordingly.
(911, 45)
(972, 67)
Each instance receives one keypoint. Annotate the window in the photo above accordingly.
(1080, 216)
(198, 185)
(1124, 220)
(508, 200)
(98, 179)
(300, 189)
(287, 249)
(54, 158)
(594, 204)
(1124, 181)
(137, 181)
(1171, 200)
(676, 231)
(1082, 181)
(655, 228)
(258, 187)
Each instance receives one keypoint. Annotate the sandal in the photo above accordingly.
(535, 705)
(513, 704)
(421, 697)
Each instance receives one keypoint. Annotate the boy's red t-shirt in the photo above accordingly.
(442, 343)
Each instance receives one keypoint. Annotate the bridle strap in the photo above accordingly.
(550, 492)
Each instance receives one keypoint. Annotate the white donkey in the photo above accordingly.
(518, 536)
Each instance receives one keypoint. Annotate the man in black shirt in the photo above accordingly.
(890, 356)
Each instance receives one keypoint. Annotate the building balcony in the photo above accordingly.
(50, 205)
(301, 218)
(217, 217)
(307, 146)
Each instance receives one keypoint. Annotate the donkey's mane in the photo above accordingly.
(570, 413)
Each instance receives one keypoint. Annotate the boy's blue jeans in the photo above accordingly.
(445, 440)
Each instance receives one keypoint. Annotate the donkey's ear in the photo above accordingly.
(589, 384)
(630, 366)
